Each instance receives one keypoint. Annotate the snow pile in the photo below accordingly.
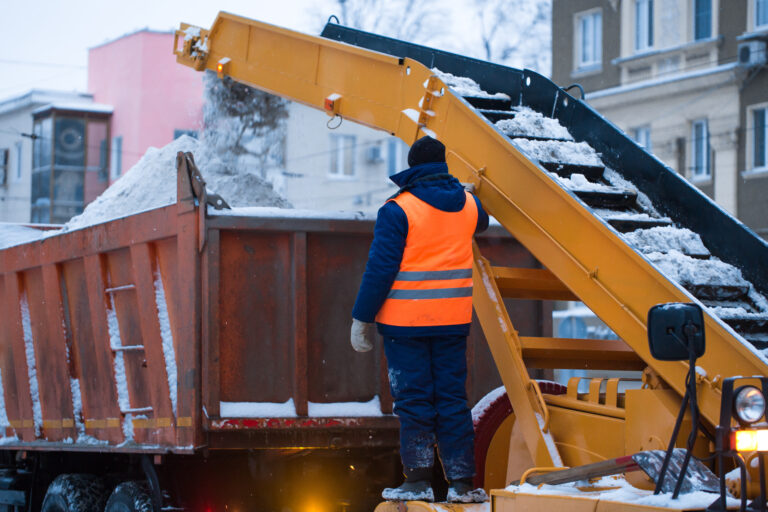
(579, 153)
(464, 86)
(619, 490)
(151, 183)
(14, 234)
(166, 334)
(686, 270)
(625, 215)
(531, 123)
(579, 182)
(665, 239)
(29, 349)
(288, 409)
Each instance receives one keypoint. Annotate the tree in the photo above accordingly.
(516, 32)
(421, 21)
(242, 121)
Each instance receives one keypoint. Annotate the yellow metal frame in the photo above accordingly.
(584, 257)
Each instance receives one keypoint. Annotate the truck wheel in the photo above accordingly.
(75, 493)
(130, 497)
(495, 437)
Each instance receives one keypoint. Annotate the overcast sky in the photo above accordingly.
(45, 42)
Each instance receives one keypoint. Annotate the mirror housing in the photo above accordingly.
(672, 328)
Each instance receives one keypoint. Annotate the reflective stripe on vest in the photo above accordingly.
(434, 284)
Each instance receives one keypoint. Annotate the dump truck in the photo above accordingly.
(205, 346)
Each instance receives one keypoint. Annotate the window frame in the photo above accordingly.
(596, 40)
(752, 132)
(116, 157)
(5, 165)
(635, 134)
(695, 17)
(19, 148)
(340, 152)
(648, 43)
(756, 10)
(696, 152)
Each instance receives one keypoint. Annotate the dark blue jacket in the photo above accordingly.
(432, 184)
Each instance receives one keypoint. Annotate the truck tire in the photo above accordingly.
(130, 497)
(75, 493)
(494, 424)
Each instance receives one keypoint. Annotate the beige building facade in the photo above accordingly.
(685, 78)
(344, 167)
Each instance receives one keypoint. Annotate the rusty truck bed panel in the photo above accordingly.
(137, 329)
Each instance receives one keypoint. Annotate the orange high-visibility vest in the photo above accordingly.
(434, 284)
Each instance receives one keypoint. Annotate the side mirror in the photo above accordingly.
(674, 330)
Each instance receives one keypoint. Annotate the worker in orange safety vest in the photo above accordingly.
(417, 291)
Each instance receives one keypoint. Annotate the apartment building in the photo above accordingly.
(685, 78)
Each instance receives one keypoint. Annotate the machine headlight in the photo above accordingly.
(749, 404)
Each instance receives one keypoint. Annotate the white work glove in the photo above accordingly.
(363, 335)
(469, 187)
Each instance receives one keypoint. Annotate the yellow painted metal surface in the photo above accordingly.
(532, 414)
(495, 470)
(385, 92)
(583, 256)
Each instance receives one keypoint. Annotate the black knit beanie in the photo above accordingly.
(426, 150)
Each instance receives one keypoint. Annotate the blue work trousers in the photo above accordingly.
(427, 376)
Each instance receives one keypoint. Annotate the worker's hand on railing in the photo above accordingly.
(363, 335)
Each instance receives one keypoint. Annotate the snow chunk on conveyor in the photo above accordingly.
(579, 182)
(578, 153)
(686, 270)
(464, 86)
(151, 183)
(665, 239)
(533, 124)
(14, 234)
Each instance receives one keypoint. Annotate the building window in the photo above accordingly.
(116, 160)
(4, 156)
(589, 43)
(343, 155)
(761, 13)
(642, 135)
(18, 147)
(179, 133)
(643, 24)
(759, 138)
(702, 19)
(700, 150)
(396, 156)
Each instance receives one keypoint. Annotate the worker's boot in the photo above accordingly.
(417, 487)
(463, 491)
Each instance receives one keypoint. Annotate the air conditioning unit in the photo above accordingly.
(752, 54)
(373, 154)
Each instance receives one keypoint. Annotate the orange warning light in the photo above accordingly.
(750, 440)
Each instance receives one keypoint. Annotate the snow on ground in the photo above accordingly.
(151, 183)
(15, 234)
(529, 122)
(464, 86)
(579, 153)
(619, 490)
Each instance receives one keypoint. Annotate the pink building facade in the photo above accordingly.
(154, 99)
